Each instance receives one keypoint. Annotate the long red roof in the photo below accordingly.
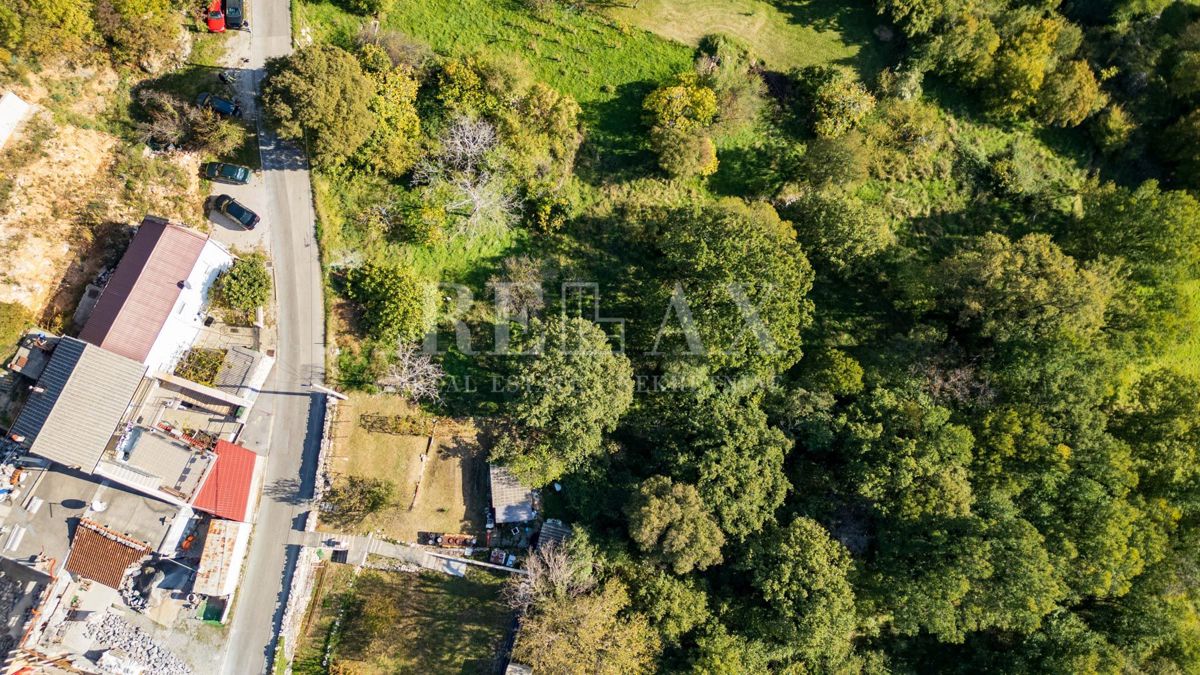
(227, 490)
(142, 291)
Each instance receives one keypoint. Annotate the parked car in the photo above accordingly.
(221, 172)
(215, 18)
(222, 105)
(490, 515)
(234, 16)
(234, 209)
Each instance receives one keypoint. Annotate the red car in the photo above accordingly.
(215, 17)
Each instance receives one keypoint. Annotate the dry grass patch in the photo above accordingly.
(398, 622)
(445, 493)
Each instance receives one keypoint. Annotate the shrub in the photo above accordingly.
(547, 213)
(1112, 128)
(201, 365)
(356, 497)
(684, 154)
(837, 100)
(246, 285)
(366, 7)
(14, 319)
(393, 301)
(684, 106)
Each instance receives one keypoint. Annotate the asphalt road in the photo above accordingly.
(292, 412)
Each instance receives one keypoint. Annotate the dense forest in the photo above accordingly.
(856, 370)
(898, 384)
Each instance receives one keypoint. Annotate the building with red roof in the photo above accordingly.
(152, 308)
(232, 484)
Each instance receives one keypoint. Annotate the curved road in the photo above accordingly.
(287, 420)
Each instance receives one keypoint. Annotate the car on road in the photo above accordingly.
(222, 105)
(234, 14)
(215, 18)
(220, 172)
(235, 210)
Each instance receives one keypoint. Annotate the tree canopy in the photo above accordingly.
(320, 94)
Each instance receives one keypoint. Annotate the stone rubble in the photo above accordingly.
(112, 632)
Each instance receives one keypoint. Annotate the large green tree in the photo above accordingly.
(321, 95)
(732, 286)
(567, 395)
(670, 520)
(1027, 290)
(802, 574)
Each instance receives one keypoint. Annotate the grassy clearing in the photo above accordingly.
(397, 622)
(786, 34)
(452, 491)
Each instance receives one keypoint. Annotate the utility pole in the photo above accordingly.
(326, 390)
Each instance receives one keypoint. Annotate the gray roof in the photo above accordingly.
(85, 393)
(243, 372)
(513, 502)
(554, 531)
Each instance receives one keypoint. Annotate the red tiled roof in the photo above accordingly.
(103, 555)
(142, 292)
(226, 491)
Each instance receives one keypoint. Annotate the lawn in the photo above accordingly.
(400, 622)
(785, 34)
(452, 491)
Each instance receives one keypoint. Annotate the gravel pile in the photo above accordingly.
(114, 633)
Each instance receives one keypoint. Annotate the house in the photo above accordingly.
(512, 501)
(230, 488)
(44, 505)
(103, 555)
(80, 399)
(152, 309)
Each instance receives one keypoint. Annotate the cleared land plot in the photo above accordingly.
(398, 622)
(453, 488)
(784, 34)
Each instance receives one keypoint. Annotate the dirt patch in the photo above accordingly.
(38, 223)
(444, 492)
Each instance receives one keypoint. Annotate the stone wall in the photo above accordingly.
(301, 591)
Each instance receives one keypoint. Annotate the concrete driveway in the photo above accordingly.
(288, 418)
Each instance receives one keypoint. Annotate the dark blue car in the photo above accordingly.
(234, 209)
(222, 105)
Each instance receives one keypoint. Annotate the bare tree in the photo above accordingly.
(414, 374)
(466, 142)
(462, 178)
(518, 287)
(168, 123)
(552, 572)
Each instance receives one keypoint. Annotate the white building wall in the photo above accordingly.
(187, 316)
(12, 111)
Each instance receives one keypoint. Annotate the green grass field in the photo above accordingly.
(785, 34)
